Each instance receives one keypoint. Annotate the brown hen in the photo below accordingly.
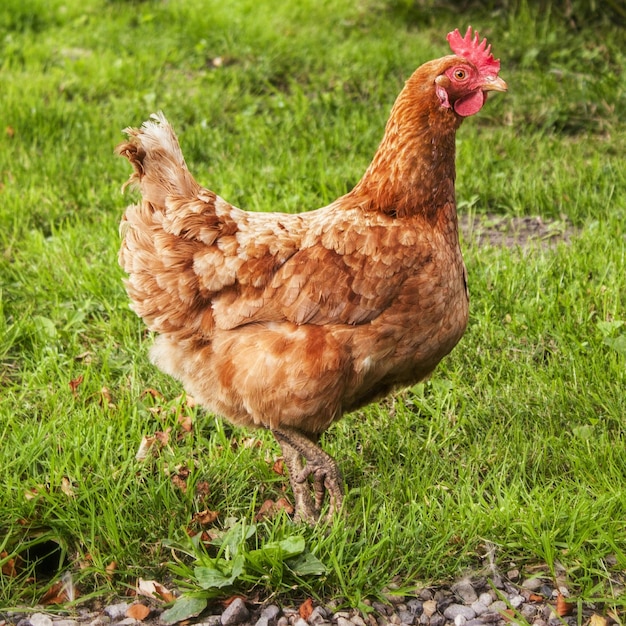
(286, 322)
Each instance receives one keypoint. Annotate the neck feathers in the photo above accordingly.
(412, 172)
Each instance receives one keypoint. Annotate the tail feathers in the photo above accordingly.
(159, 166)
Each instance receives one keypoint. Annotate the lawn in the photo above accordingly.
(516, 448)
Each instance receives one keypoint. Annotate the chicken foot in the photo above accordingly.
(320, 465)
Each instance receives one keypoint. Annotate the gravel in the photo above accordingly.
(469, 602)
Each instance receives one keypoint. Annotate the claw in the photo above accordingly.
(321, 466)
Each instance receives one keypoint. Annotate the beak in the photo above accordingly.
(494, 83)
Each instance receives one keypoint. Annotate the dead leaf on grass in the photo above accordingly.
(563, 607)
(60, 592)
(206, 517)
(279, 466)
(67, 488)
(138, 611)
(180, 481)
(75, 384)
(10, 567)
(110, 570)
(270, 509)
(305, 609)
(153, 589)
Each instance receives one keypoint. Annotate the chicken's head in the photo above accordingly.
(464, 84)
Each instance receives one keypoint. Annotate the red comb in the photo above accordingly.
(469, 48)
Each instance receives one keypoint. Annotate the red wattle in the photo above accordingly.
(470, 104)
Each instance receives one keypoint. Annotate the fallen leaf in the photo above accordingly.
(563, 607)
(110, 569)
(279, 467)
(305, 609)
(152, 392)
(67, 488)
(11, 566)
(153, 589)
(203, 489)
(186, 423)
(270, 509)
(206, 517)
(163, 437)
(147, 442)
(535, 597)
(138, 611)
(598, 620)
(75, 384)
(179, 482)
(10, 132)
(60, 592)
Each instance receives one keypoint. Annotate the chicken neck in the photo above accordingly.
(413, 170)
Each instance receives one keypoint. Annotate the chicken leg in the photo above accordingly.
(320, 465)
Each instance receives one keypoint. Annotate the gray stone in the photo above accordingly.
(497, 606)
(271, 612)
(516, 601)
(486, 598)
(479, 608)
(532, 584)
(491, 617)
(356, 619)
(101, 620)
(475, 622)
(343, 621)
(116, 611)
(40, 619)
(465, 591)
(424, 619)
(454, 610)
(415, 606)
(235, 613)
(528, 611)
(406, 617)
(211, 620)
(282, 621)
(65, 622)
(300, 622)
(127, 621)
(437, 620)
(429, 607)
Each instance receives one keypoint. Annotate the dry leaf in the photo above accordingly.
(60, 592)
(305, 609)
(110, 569)
(270, 509)
(202, 489)
(67, 488)
(563, 607)
(163, 437)
(153, 589)
(75, 383)
(147, 442)
(205, 518)
(152, 392)
(179, 482)
(598, 620)
(138, 611)
(10, 132)
(535, 597)
(279, 466)
(12, 566)
(186, 423)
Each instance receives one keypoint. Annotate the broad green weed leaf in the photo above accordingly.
(184, 608)
(222, 574)
(306, 565)
(618, 343)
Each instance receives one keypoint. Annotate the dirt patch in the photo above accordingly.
(492, 229)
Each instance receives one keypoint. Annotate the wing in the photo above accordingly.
(347, 270)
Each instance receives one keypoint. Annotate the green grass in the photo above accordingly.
(519, 440)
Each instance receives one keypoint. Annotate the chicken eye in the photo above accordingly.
(460, 74)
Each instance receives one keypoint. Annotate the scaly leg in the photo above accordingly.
(319, 464)
(306, 511)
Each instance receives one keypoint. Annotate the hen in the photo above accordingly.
(286, 322)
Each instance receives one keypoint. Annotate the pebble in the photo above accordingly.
(235, 613)
(468, 602)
